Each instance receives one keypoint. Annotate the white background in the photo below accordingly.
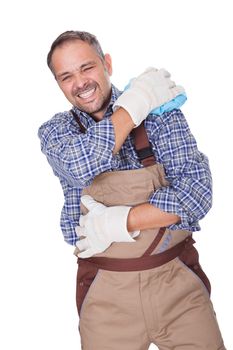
(193, 40)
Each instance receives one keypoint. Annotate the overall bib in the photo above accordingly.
(150, 291)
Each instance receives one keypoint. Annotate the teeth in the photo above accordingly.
(87, 93)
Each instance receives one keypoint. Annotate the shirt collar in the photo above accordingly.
(86, 118)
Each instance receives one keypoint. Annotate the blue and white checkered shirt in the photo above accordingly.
(76, 158)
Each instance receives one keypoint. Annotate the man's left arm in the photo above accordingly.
(146, 216)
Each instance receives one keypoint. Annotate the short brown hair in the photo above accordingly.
(74, 35)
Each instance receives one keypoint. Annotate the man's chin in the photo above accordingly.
(88, 110)
(93, 110)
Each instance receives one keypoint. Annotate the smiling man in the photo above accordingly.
(144, 186)
(83, 76)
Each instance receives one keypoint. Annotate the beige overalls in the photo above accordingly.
(150, 291)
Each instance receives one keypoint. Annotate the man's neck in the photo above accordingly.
(99, 115)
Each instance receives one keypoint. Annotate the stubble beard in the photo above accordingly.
(98, 106)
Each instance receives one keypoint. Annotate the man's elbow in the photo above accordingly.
(204, 206)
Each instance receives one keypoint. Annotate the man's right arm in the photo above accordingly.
(123, 125)
(77, 157)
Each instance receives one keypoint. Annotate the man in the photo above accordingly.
(144, 187)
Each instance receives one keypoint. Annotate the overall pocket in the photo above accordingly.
(85, 276)
(190, 259)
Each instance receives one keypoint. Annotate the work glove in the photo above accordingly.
(102, 226)
(148, 91)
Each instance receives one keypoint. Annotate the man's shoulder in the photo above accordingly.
(60, 117)
(55, 126)
(166, 116)
(159, 121)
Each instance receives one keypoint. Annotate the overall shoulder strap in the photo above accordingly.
(147, 158)
(143, 146)
(82, 128)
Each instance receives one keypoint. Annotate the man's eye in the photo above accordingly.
(87, 68)
(66, 78)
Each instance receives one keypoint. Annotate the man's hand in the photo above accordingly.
(101, 227)
(150, 90)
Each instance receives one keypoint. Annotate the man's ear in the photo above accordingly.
(108, 63)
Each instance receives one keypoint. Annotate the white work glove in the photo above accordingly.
(148, 91)
(101, 227)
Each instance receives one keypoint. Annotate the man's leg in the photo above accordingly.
(185, 319)
(111, 315)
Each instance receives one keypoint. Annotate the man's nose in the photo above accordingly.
(79, 81)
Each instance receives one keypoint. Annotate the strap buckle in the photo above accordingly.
(144, 153)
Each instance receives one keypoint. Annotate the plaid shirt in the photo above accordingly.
(77, 158)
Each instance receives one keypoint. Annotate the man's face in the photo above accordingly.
(83, 77)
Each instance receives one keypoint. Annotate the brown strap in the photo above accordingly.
(155, 242)
(147, 158)
(82, 128)
(143, 146)
(141, 263)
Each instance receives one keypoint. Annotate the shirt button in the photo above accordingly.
(81, 284)
(196, 267)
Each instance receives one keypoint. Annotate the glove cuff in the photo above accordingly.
(117, 223)
(134, 103)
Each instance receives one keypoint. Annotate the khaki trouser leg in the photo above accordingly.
(111, 316)
(168, 306)
(184, 312)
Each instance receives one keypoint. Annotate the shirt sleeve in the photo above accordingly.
(189, 193)
(74, 156)
(70, 213)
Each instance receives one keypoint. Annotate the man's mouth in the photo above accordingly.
(87, 94)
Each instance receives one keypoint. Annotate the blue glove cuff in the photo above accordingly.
(175, 103)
